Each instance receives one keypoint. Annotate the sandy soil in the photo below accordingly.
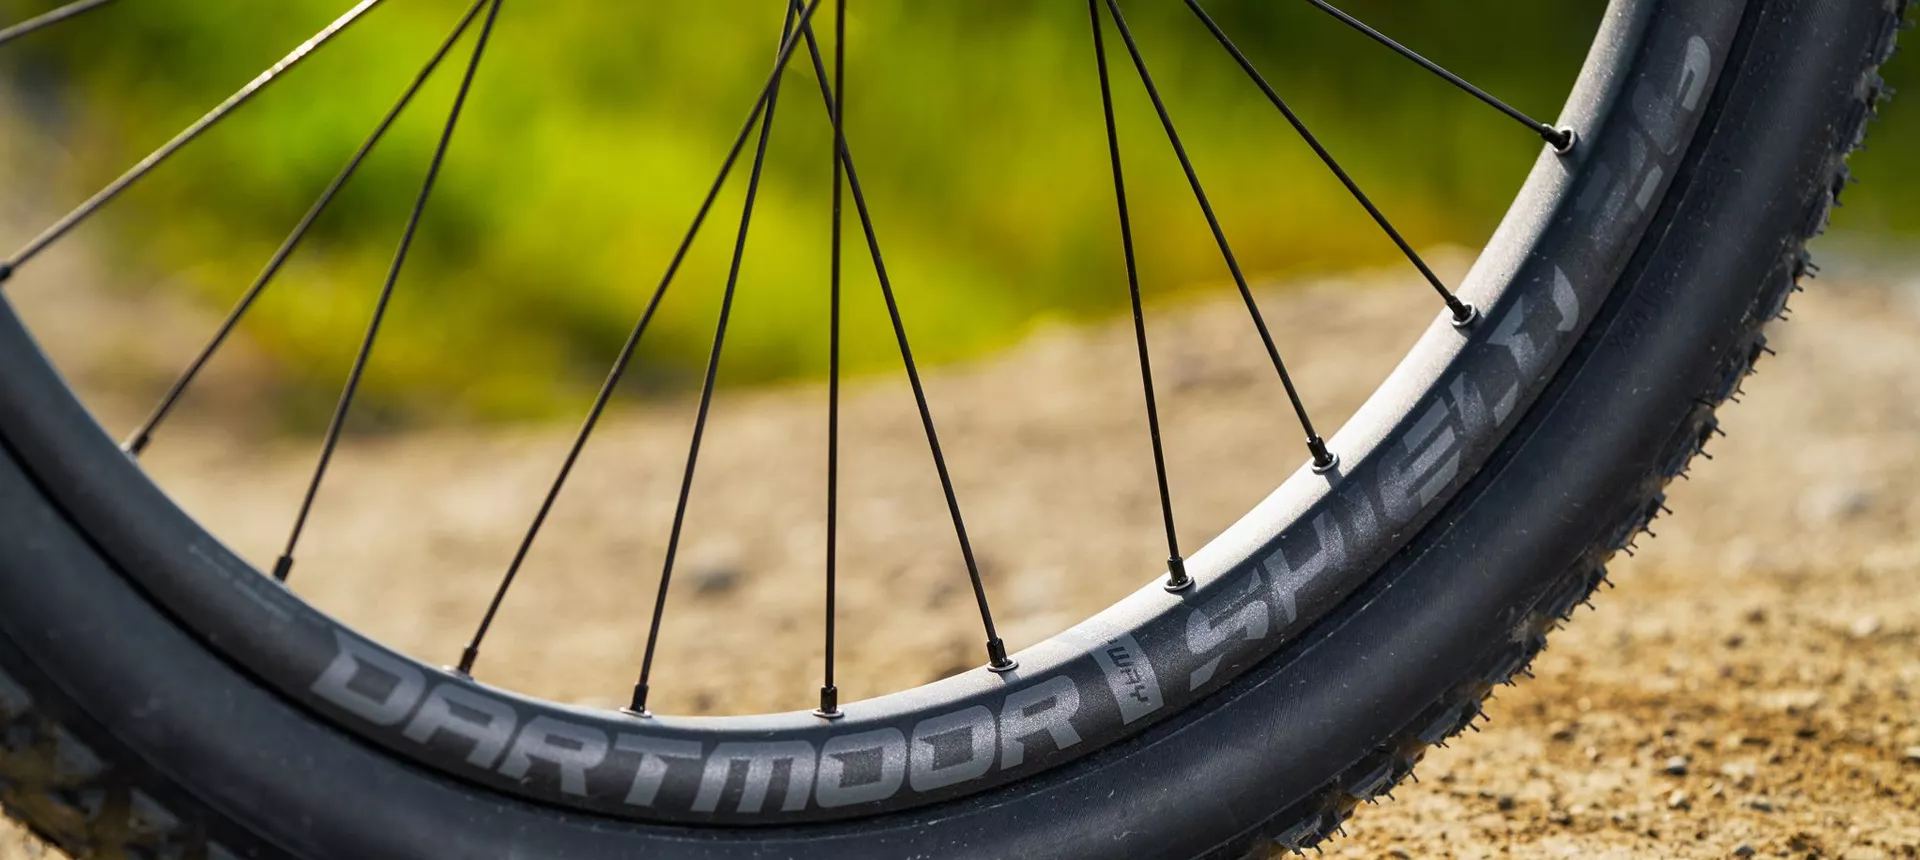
(1748, 689)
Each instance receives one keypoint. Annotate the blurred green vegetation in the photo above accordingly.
(594, 129)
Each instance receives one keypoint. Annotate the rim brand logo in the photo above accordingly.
(462, 722)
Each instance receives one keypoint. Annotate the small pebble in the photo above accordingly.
(1505, 803)
(1743, 850)
(1912, 755)
(716, 580)
(1865, 627)
(1676, 766)
(1760, 804)
(1679, 800)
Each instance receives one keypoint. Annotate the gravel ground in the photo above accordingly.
(1749, 689)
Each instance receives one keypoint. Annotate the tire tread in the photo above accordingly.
(1462, 708)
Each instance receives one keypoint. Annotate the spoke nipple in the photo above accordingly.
(1464, 315)
(997, 659)
(468, 656)
(638, 709)
(137, 444)
(829, 704)
(1561, 139)
(1177, 578)
(6, 271)
(1324, 461)
(283, 568)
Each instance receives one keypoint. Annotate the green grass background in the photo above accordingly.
(595, 127)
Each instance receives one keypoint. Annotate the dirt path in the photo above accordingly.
(1753, 684)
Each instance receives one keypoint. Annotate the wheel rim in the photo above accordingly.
(338, 666)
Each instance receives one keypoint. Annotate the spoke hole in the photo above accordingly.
(829, 704)
(1563, 140)
(638, 707)
(997, 659)
(1324, 461)
(1177, 578)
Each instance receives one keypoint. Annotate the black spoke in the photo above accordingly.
(146, 165)
(1561, 139)
(1323, 459)
(644, 685)
(1177, 578)
(1463, 314)
(50, 18)
(997, 658)
(137, 442)
(284, 566)
(471, 654)
(829, 692)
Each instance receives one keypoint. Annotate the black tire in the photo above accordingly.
(132, 728)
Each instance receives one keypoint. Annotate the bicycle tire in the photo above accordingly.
(131, 730)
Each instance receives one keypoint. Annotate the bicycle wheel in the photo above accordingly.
(162, 698)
